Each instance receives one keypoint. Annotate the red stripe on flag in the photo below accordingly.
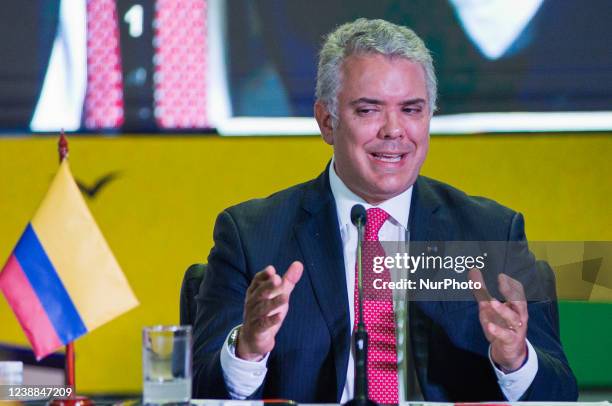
(28, 309)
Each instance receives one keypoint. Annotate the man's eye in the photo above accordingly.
(412, 110)
(364, 111)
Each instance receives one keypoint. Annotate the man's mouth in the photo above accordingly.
(387, 157)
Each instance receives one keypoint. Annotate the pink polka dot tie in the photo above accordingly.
(378, 316)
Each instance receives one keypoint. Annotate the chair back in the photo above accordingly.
(189, 290)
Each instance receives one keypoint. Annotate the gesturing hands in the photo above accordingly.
(504, 324)
(265, 307)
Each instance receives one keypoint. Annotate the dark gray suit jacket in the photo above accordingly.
(310, 358)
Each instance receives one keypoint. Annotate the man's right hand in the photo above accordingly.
(265, 307)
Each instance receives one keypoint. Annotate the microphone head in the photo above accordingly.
(358, 215)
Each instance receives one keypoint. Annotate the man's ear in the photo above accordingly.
(324, 119)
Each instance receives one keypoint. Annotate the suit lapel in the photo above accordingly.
(319, 239)
(425, 225)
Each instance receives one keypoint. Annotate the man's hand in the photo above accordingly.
(265, 307)
(504, 324)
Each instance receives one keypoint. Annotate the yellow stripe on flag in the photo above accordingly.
(82, 258)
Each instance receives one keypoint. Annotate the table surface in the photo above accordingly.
(216, 402)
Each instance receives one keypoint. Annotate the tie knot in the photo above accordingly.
(376, 219)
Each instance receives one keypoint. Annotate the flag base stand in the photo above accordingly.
(70, 379)
(72, 401)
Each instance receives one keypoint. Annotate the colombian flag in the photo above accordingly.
(62, 279)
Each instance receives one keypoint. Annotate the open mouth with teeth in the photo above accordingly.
(384, 157)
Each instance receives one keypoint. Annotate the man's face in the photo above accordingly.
(382, 135)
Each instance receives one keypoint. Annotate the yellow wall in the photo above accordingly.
(158, 215)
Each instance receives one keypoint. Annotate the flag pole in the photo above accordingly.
(62, 149)
(69, 370)
(62, 146)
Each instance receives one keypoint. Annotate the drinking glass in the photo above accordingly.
(166, 364)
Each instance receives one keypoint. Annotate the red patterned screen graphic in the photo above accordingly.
(104, 94)
(173, 74)
(180, 63)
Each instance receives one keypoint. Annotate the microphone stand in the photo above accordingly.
(360, 397)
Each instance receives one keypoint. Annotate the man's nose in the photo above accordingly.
(392, 127)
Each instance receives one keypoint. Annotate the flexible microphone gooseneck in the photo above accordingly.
(360, 398)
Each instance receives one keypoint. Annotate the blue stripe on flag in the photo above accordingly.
(49, 287)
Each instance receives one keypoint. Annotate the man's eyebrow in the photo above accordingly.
(413, 101)
(366, 100)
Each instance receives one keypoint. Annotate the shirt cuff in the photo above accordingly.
(242, 378)
(514, 384)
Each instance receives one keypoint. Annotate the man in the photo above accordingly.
(276, 308)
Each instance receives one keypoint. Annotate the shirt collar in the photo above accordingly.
(398, 207)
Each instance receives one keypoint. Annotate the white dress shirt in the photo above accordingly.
(242, 378)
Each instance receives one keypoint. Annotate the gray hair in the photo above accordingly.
(364, 36)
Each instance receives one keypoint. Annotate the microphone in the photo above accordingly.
(360, 397)
(359, 216)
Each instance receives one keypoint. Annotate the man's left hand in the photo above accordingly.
(504, 324)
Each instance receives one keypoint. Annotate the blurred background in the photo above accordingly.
(152, 94)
